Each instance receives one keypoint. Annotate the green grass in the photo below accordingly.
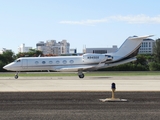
(124, 73)
(105, 73)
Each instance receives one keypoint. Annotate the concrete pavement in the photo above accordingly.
(61, 84)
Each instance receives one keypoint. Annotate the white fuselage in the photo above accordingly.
(56, 63)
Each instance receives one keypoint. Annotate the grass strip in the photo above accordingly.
(96, 73)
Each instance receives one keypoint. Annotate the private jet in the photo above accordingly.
(86, 62)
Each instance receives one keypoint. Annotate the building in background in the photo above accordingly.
(40, 46)
(73, 51)
(63, 47)
(101, 50)
(22, 48)
(147, 46)
(4, 50)
(54, 48)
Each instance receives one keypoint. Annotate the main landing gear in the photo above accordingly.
(16, 75)
(80, 74)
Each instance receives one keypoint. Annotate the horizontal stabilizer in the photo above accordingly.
(141, 37)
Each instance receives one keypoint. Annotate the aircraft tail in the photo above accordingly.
(129, 48)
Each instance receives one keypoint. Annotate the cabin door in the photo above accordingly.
(25, 64)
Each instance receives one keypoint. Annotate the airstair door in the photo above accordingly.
(25, 64)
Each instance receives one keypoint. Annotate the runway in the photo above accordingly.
(64, 84)
(69, 98)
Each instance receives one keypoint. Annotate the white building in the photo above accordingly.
(73, 51)
(101, 50)
(4, 50)
(147, 46)
(22, 48)
(52, 47)
(41, 46)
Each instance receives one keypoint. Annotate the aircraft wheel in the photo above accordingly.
(81, 76)
(16, 76)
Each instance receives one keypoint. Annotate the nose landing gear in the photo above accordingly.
(16, 75)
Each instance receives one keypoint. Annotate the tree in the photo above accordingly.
(31, 53)
(141, 59)
(156, 50)
(154, 65)
(6, 58)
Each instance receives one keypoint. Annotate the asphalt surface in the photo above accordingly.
(79, 106)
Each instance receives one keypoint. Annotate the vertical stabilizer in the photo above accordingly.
(129, 48)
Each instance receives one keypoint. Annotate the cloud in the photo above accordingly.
(85, 22)
(137, 19)
(131, 19)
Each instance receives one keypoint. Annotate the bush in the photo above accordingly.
(153, 66)
(127, 67)
(2, 64)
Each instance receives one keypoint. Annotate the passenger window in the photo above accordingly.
(43, 62)
(57, 62)
(71, 61)
(64, 61)
(50, 62)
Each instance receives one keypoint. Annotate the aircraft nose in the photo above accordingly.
(6, 67)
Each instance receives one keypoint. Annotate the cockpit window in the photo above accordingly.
(19, 60)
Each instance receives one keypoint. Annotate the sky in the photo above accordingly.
(90, 23)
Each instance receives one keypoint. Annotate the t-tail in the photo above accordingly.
(128, 50)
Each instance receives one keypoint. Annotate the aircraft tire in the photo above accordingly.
(16, 76)
(81, 76)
